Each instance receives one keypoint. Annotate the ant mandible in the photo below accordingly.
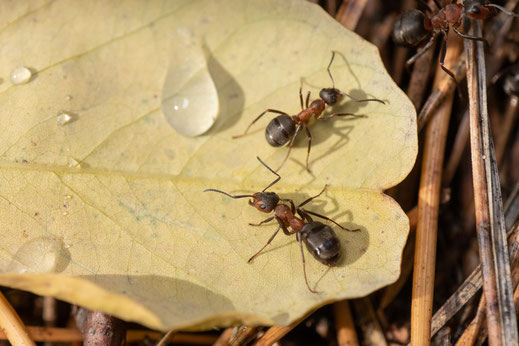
(413, 26)
(285, 128)
(320, 239)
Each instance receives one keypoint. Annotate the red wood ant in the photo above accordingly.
(413, 26)
(320, 239)
(285, 128)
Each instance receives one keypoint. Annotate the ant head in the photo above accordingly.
(476, 9)
(264, 201)
(330, 95)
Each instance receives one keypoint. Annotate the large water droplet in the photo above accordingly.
(40, 255)
(189, 96)
(20, 75)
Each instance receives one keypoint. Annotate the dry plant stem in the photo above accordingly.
(243, 335)
(102, 329)
(165, 339)
(512, 110)
(419, 77)
(382, 32)
(428, 208)
(49, 334)
(476, 330)
(12, 325)
(441, 91)
(349, 13)
(274, 333)
(224, 338)
(346, 335)
(473, 283)
(460, 142)
(491, 234)
(470, 334)
(367, 321)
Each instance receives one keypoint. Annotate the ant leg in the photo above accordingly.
(329, 116)
(503, 9)
(309, 147)
(268, 242)
(469, 37)
(290, 145)
(331, 220)
(300, 240)
(262, 222)
(422, 51)
(443, 50)
(362, 100)
(314, 197)
(304, 215)
(307, 99)
(292, 206)
(301, 95)
(259, 116)
(426, 6)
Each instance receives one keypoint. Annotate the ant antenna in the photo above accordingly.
(225, 193)
(328, 69)
(505, 10)
(363, 100)
(270, 169)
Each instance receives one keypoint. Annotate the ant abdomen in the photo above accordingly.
(409, 29)
(322, 242)
(280, 130)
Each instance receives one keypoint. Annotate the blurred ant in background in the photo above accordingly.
(285, 128)
(414, 26)
(320, 239)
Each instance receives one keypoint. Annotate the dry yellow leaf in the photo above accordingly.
(101, 200)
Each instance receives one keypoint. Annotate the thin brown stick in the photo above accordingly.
(225, 337)
(274, 333)
(419, 78)
(243, 335)
(428, 208)
(346, 335)
(368, 322)
(491, 234)
(349, 13)
(470, 334)
(12, 325)
(511, 113)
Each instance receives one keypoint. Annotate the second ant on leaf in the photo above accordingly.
(284, 128)
(320, 239)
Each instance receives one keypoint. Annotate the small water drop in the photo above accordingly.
(483, 157)
(73, 163)
(20, 75)
(64, 118)
(66, 246)
(67, 196)
(40, 255)
(189, 96)
(65, 213)
(68, 97)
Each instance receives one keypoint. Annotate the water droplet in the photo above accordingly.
(65, 213)
(73, 163)
(189, 95)
(67, 196)
(68, 97)
(20, 75)
(66, 246)
(483, 157)
(40, 255)
(63, 118)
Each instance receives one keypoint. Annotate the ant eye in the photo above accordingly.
(263, 206)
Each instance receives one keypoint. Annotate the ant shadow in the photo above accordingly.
(231, 98)
(350, 254)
